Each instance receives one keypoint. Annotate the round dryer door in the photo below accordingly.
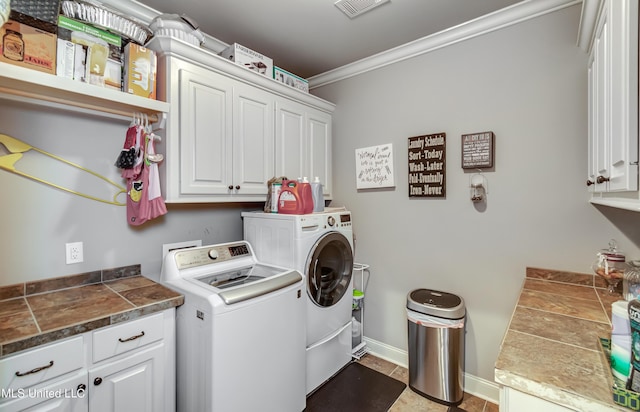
(329, 269)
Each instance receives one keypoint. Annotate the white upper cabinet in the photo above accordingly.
(613, 105)
(225, 144)
(230, 130)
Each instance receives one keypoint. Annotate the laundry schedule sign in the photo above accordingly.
(427, 165)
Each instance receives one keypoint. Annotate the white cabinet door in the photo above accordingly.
(205, 133)
(291, 139)
(623, 156)
(303, 143)
(134, 383)
(598, 90)
(613, 99)
(253, 139)
(319, 127)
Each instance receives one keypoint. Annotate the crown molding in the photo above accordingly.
(590, 11)
(500, 19)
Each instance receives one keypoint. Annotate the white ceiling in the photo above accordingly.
(309, 37)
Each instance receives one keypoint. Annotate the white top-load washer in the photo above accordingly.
(320, 246)
(240, 333)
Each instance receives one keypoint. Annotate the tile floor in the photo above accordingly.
(409, 401)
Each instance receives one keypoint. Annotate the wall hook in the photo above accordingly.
(160, 124)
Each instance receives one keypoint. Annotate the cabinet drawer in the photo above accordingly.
(128, 336)
(68, 394)
(38, 365)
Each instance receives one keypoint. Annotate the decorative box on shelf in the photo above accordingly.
(290, 79)
(249, 59)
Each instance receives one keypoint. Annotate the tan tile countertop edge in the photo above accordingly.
(551, 347)
(40, 312)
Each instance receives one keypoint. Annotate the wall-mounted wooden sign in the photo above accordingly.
(477, 150)
(427, 166)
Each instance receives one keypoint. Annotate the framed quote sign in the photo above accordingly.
(427, 165)
(477, 150)
(374, 167)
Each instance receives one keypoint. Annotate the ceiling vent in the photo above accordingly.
(353, 8)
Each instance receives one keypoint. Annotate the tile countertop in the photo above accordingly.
(39, 312)
(551, 348)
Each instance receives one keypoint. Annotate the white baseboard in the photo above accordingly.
(482, 388)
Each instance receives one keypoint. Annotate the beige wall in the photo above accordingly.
(37, 220)
(527, 84)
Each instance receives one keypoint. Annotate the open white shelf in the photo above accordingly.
(47, 88)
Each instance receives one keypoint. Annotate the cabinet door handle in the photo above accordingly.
(97, 381)
(237, 187)
(82, 387)
(132, 338)
(602, 179)
(36, 370)
(590, 182)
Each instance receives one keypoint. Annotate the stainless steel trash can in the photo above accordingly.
(436, 323)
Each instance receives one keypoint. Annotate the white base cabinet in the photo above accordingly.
(230, 129)
(125, 367)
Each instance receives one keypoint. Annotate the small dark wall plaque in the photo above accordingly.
(427, 165)
(477, 150)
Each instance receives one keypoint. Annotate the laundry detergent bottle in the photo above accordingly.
(318, 196)
(290, 199)
(307, 196)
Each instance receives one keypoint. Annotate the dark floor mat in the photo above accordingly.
(356, 388)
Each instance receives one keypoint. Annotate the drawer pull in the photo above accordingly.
(36, 370)
(132, 338)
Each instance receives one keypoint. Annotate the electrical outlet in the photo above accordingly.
(74, 253)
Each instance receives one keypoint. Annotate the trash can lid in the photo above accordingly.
(436, 303)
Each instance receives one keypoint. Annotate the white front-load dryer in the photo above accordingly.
(320, 246)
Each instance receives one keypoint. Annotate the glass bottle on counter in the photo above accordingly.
(610, 265)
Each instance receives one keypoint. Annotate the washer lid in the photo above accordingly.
(436, 303)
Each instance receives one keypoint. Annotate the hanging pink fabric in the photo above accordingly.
(144, 199)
